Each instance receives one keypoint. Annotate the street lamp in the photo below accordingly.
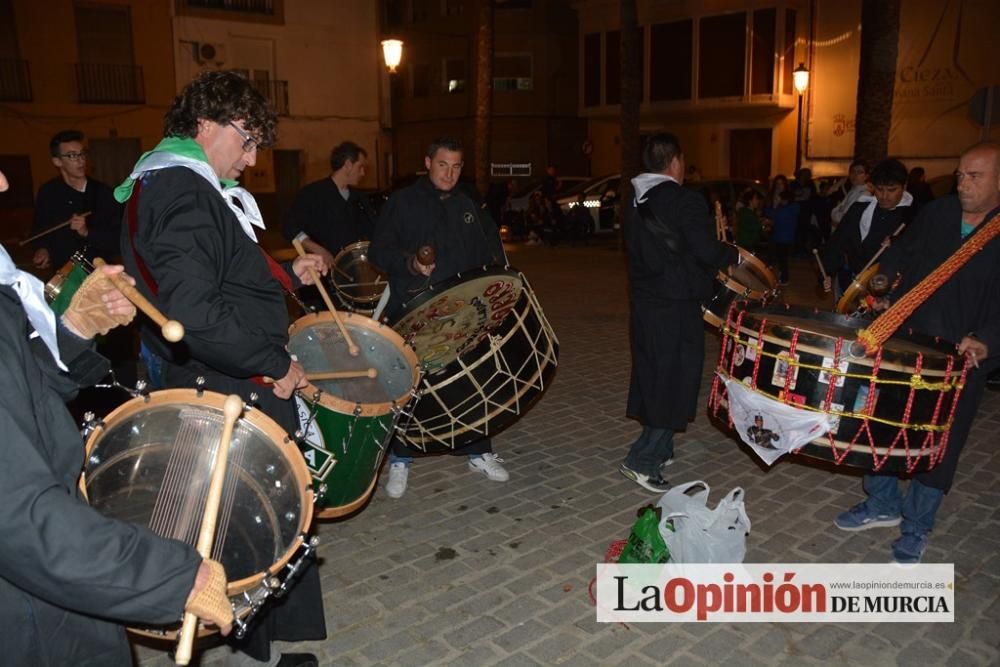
(392, 53)
(800, 77)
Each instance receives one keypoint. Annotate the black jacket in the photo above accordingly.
(67, 574)
(321, 212)
(967, 303)
(57, 202)
(846, 241)
(461, 231)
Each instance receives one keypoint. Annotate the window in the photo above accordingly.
(421, 79)
(105, 72)
(722, 55)
(762, 52)
(787, 83)
(512, 72)
(451, 7)
(613, 69)
(454, 75)
(670, 61)
(266, 11)
(15, 81)
(592, 70)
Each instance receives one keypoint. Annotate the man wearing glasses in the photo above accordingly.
(188, 239)
(92, 214)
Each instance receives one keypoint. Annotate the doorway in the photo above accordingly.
(750, 154)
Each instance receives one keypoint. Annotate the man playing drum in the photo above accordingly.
(189, 240)
(68, 575)
(438, 213)
(869, 222)
(673, 257)
(965, 309)
(330, 211)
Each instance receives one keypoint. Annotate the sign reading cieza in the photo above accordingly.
(797, 593)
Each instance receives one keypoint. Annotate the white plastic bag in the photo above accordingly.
(701, 534)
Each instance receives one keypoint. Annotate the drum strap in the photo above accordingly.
(132, 220)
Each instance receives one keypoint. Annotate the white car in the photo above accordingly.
(566, 184)
(600, 195)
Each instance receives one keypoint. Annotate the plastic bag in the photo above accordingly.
(645, 544)
(700, 534)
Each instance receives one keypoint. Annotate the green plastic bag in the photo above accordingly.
(645, 544)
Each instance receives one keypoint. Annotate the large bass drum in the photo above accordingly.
(487, 351)
(150, 461)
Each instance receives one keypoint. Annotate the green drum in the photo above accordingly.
(63, 285)
(347, 422)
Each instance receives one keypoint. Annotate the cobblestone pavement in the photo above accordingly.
(463, 571)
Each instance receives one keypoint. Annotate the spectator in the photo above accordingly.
(748, 226)
(918, 187)
(785, 218)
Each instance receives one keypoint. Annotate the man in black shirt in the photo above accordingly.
(869, 222)
(93, 214)
(435, 211)
(330, 211)
(964, 310)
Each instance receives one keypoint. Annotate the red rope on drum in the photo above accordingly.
(870, 408)
(715, 397)
(943, 447)
(907, 411)
(793, 367)
(934, 452)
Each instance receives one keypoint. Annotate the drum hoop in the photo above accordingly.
(258, 419)
(340, 405)
(858, 285)
(771, 337)
(359, 245)
(734, 285)
(437, 289)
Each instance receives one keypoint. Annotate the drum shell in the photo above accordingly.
(810, 386)
(126, 482)
(855, 293)
(61, 287)
(751, 282)
(357, 282)
(344, 441)
(489, 386)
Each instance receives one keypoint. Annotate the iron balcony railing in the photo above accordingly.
(276, 93)
(110, 84)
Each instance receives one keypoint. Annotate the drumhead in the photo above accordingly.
(356, 279)
(150, 464)
(451, 317)
(317, 343)
(819, 330)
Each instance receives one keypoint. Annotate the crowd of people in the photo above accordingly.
(185, 231)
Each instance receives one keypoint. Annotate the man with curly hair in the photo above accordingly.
(189, 240)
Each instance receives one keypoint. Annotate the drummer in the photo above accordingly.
(673, 255)
(73, 197)
(439, 213)
(189, 240)
(69, 576)
(966, 309)
(331, 211)
(868, 223)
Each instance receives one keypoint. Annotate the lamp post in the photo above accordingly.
(392, 53)
(800, 77)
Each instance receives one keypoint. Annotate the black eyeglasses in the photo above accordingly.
(249, 142)
(75, 157)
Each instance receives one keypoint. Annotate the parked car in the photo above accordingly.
(566, 185)
(600, 195)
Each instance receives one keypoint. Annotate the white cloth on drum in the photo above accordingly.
(31, 291)
(781, 428)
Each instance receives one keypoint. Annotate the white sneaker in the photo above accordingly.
(489, 465)
(398, 472)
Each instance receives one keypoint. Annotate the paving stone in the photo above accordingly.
(472, 632)
(920, 653)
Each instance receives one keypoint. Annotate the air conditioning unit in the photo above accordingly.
(208, 53)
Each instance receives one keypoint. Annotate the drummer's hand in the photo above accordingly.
(887, 241)
(827, 283)
(207, 599)
(302, 264)
(41, 259)
(421, 269)
(78, 223)
(974, 349)
(98, 306)
(326, 256)
(294, 379)
(880, 303)
(114, 301)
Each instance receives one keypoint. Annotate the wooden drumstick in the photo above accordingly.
(822, 271)
(50, 230)
(172, 330)
(342, 375)
(231, 410)
(351, 347)
(426, 255)
(882, 249)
